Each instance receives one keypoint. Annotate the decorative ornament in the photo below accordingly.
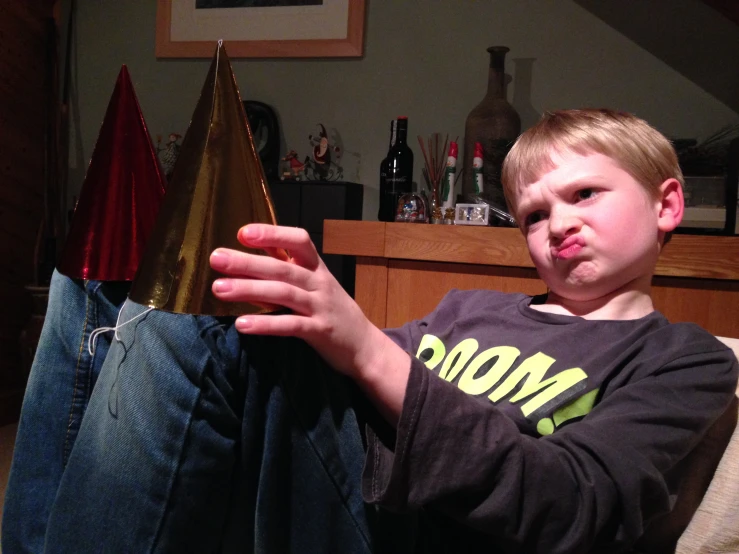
(120, 196)
(168, 153)
(324, 162)
(495, 124)
(292, 168)
(218, 186)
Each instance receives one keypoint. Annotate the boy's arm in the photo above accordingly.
(323, 314)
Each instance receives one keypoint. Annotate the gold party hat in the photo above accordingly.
(218, 185)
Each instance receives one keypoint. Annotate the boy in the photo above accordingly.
(554, 423)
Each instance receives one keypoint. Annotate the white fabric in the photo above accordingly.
(715, 526)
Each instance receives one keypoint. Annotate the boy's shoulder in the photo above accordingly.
(690, 337)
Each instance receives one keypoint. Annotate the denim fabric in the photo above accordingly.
(302, 457)
(197, 439)
(62, 377)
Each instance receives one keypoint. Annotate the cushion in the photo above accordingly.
(714, 528)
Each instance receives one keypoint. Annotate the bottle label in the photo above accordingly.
(397, 183)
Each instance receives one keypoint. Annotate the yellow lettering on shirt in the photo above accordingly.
(478, 385)
(438, 350)
(525, 383)
(458, 356)
(532, 371)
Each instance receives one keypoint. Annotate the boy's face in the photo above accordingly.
(591, 228)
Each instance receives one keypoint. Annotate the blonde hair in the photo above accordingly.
(637, 147)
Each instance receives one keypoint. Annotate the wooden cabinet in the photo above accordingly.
(403, 270)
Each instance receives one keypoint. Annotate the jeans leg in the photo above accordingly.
(177, 454)
(152, 467)
(62, 377)
(302, 457)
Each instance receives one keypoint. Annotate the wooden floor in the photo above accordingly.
(7, 440)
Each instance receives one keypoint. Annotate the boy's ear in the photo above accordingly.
(671, 205)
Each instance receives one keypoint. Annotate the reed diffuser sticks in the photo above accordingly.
(434, 163)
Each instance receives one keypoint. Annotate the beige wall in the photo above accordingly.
(423, 59)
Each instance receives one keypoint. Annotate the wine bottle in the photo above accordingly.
(383, 170)
(399, 172)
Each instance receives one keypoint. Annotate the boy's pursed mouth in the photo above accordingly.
(568, 249)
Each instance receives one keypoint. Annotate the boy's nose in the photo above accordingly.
(563, 224)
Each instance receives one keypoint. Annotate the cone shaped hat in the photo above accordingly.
(218, 185)
(120, 196)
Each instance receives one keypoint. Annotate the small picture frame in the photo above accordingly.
(471, 214)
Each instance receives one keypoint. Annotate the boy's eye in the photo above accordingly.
(585, 194)
(533, 218)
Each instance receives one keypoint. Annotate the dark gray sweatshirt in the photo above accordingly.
(524, 431)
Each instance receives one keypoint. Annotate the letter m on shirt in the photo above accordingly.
(540, 393)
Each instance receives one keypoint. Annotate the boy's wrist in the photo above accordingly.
(382, 371)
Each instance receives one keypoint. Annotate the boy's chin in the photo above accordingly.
(593, 291)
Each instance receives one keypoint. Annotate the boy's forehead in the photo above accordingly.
(535, 171)
(575, 162)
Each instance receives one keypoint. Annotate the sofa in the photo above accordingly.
(714, 527)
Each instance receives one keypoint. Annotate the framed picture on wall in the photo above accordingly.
(260, 28)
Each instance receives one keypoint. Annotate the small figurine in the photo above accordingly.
(321, 167)
(293, 169)
(168, 154)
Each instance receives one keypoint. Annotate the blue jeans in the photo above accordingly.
(62, 377)
(197, 439)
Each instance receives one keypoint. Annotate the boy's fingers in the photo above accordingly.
(263, 292)
(240, 264)
(287, 325)
(293, 239)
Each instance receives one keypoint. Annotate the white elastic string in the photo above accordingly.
(100, 330)
(218, 60)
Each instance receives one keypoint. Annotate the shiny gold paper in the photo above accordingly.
(218, 185)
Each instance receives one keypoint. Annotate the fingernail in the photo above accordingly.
(219, 257)
(244, 322)
(222, 285)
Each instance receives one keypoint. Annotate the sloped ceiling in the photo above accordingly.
(697, 40)
(728, 8)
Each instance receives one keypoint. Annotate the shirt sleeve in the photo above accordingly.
(595, 482)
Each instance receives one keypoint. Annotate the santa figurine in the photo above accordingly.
(322, 152)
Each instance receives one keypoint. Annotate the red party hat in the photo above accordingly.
(120, 196)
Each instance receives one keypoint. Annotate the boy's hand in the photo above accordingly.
(324, 315)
